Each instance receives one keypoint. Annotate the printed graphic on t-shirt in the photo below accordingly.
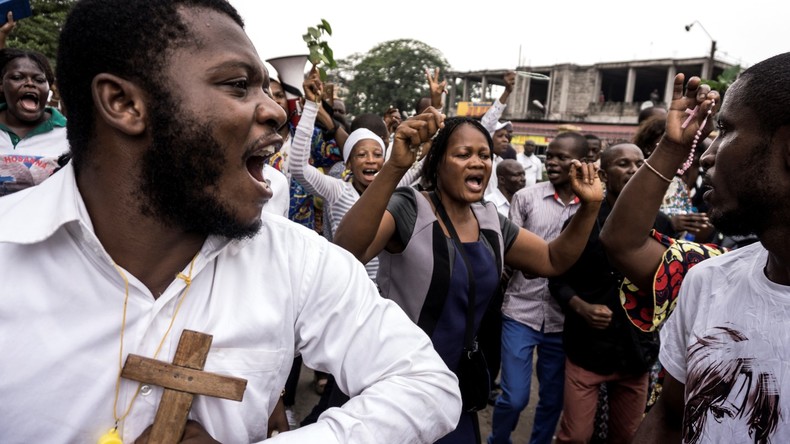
(732, 389)
(18, 172)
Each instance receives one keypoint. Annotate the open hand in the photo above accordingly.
(691, 222)
(682, 107)
(412, 134)
(585, 182)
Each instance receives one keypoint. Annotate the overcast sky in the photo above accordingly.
(543, 33)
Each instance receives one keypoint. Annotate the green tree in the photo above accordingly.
(725, 79)
(390, 74)
(40, 32)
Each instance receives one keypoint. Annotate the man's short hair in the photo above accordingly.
(592, 137)
(766, 92)
(580, 142)
(126, 38)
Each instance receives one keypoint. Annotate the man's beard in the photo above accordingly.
(748, 218)
(754, 201)
(180, 175)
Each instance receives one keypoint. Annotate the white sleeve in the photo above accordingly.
(491, 117)
(314, 181)
(401, 390)
(412, 175)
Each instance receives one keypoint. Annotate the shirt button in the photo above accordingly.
(145, 390)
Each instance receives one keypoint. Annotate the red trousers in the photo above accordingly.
(627, 397)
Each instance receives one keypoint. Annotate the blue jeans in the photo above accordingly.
(518, 343)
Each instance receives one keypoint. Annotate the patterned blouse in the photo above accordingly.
(648, 312)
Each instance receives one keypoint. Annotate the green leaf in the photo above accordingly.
(307, 38)
(330, 56)
(326, 26)
(314, 32)
(322, 73)
(315, 55)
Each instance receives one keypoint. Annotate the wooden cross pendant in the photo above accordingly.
(182, 380)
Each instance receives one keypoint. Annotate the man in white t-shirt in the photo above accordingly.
(726, 347)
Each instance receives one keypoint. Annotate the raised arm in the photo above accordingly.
(533, 255)
(334, 129)
(315, 182)
(368, 227)
(625, 233)
(491, 117)
(6, 29)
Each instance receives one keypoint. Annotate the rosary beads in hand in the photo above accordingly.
(692, 113)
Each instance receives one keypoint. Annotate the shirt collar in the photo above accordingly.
(36, 213)
(549, 191)
(56, 119)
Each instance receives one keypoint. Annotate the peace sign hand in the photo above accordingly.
(437, 88)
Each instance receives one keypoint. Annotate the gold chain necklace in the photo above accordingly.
(112, 436)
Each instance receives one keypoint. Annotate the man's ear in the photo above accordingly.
(120, 103)
(602, 175)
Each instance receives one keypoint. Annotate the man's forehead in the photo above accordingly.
(731, 103)
(213, 31)
(625, 151)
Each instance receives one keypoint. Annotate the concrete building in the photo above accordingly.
(603, 99)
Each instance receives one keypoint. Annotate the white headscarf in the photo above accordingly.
(358, 135)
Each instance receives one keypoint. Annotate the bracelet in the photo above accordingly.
(650, 167)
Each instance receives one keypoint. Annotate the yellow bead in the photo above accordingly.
(111, 437)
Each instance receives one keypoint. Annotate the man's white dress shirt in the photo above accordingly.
(286, 291)
(502, 204)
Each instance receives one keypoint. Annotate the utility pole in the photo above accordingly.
(711, 58)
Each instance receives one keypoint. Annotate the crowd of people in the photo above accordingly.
(172, 192)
